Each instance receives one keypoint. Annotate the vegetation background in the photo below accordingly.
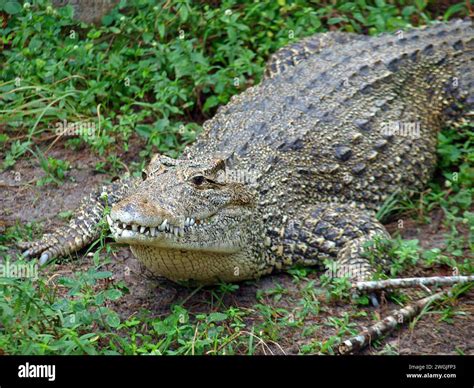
(145, 80)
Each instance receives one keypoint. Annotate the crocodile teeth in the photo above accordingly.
(123, 229)
(189, 222)
(163, 225)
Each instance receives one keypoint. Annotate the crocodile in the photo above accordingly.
(292, 171)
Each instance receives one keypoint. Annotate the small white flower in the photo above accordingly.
(27, 5)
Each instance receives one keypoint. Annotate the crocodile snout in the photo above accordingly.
(139, 210)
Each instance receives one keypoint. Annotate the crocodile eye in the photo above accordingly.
(144, 174)
(198, 180)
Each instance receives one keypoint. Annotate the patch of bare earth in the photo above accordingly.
(22, 201)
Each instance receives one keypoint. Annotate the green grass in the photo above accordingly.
(157, 73)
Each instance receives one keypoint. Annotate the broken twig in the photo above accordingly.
(386, 325)
(410, 282)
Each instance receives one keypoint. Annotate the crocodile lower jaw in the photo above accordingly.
(171, 237)
(193, 266)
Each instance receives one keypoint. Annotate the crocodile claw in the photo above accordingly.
(43, 259)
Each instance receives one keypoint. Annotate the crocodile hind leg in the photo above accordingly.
(83, 229)
(337, 232)
(291, 55)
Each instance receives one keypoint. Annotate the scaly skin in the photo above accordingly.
(294, 169)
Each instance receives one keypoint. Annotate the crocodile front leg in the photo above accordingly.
(83, 229)
(338, 232)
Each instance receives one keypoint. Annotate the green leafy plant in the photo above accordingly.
(10, 7)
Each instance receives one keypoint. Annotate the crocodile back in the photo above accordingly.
(352, 124)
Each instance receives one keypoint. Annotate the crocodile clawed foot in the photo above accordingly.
(81, 231)
(61, 242)
(41, 248)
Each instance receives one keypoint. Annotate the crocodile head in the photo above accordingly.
(185, 221)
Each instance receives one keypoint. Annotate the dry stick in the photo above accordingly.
(410, 282)
(398, 316)
(387, 324)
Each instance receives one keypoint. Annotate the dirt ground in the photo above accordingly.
(22, 201)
